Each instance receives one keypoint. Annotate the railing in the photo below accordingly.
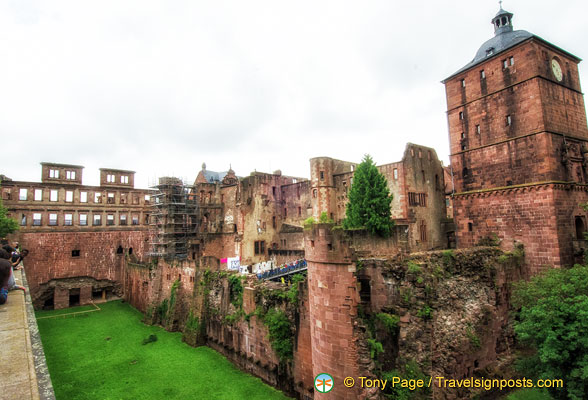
(284, 270)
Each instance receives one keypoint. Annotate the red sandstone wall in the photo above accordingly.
(138, 287)
(541, 217)
(568, 201)
(50, 254)
(333, 300)
(303, 365)
(531, 59)
(525, 160)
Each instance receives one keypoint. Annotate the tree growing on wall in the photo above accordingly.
(7, 224)
(369, 200)
(554, 321)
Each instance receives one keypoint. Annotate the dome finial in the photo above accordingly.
(500, 3)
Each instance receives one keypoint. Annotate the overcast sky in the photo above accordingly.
(161, 87)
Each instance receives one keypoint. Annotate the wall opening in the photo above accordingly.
(580, 227)
(48, 304)
(74, 297)
(98, 294)
(365, 292)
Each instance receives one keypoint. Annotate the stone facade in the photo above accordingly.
(518, 141)
(77, 231)
(416, 184)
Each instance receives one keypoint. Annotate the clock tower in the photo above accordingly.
(518, 144)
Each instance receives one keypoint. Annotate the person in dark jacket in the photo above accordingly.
(5, 272)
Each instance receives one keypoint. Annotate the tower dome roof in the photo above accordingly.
(504, 38)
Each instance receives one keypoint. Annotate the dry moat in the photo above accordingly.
(110, 354)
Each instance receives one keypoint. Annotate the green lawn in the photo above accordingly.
(100, 355)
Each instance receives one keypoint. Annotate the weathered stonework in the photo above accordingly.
(518, 140)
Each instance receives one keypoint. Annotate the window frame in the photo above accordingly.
(37, 221)
(55, 221)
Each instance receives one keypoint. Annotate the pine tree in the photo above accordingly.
(369, 200)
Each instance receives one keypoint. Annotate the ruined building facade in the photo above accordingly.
(517, 128)
(518, 138)
(80, 235)
(416, 184)
(77, 235)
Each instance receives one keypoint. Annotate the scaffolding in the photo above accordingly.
(173, 220)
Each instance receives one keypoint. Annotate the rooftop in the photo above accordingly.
(505, 37)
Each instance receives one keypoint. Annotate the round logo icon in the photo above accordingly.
(323, 383)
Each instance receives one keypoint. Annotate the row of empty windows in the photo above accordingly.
(506, 63)
(110, 178)
(23, 194)
(507, 120)
(420, 153)
(283, 191)
(83, 219)
(54, 174)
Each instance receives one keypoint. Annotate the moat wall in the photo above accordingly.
(451, 310)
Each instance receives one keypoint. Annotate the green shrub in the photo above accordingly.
(406, 294)
(426, 312)
(413, 268)
(411, 370)
(292, 293)
(280, 333)
(473, 338)
(375, 348)
(162, 310)
(390, 321)
(553, 319)
(192, 323)
(150, 339)
(448, 258)
(324, 218)
(234, 317)
(236, 290)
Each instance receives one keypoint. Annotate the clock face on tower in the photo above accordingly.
(556, 68)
